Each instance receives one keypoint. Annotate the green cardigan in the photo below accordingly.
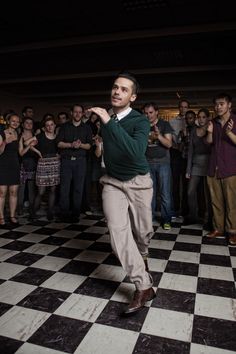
(125, 145)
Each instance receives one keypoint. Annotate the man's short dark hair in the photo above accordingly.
(77, 105)
(151, 104)
(223, 95)
(25, 109)
(184, 100)
(64, 114)
(131, 77)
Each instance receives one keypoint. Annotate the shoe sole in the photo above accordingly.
(130, 312)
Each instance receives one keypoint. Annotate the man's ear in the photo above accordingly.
(133, 98)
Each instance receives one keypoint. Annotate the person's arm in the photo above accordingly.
(209, 136)
(165, 139)
(190, 157)
(229, 132)
(2, 145)
(132, 146)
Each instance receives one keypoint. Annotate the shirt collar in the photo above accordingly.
(124, 113)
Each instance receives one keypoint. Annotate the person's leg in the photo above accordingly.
(21, 194)
(192, 198)
(38, 198)
(218, 203)
(116, 204)
(51, 202)
(3, 193)
(79, 173)
(31, 192)
(165, 192)
(229, 190)
(13, 202)
(66, 178)
(153, 173)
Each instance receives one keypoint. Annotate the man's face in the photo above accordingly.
(29, 113)
(122, 94)
(151, 114)
(222, 107)
(62, 119)
(77, 113)
(190, 119)
(28, 124)
(183, 107)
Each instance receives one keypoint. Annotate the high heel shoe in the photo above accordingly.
(13, 220)
(2, 222)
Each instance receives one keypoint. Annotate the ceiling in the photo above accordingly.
(66, 53)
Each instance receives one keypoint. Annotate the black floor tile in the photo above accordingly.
(91, 236)
(174, 300)
(18, 245)
(61, 333)
(100, 246)
(45, 231)
(9, 345)
(216, 287)
(159, 253)
(232, 251)
(112, 316)
(112, 260)
(101, 224)
(213, 259)
(65, 252)
(44, 299)
(192, 232)
(4, 308)
(24, 258)
(79, 267)
(33, 276)
(214, 241)
(53, 240)
(183, 268)
(76, 227)
(14, 235)
(148, 344)
(98, 287)
(214, 332)
(156, 277)
(164, 236)
(187, 247)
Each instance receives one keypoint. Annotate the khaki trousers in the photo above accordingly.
(223, 199)
(127, 208)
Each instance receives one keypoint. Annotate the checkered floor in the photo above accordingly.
(63, 291)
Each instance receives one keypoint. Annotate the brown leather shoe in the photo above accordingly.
(232, 239)
(139, 299)
(214, 234)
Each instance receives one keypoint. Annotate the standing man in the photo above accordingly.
(222, 168)
(158, 156)
(74, 139)
(127, 187)
(178, 165)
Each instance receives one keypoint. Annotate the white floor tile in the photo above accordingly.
(27, 228)
(213, 249)
(97, 230)
(157, 265)
(162, 244)
(58, 225)
(28, 348)
(4, 241)
(79, 244)
(41, 248)
(82, 307)
(233, 261)
(87, 222)
(124, 293)
(109, 272)
(178, 282)
(2, 231)
(8, 270)
(64, 282)
(203, 349)
(92, 256)
(5, 254)
(169, 324)
(12, 292)
(215, 272)
(35, 238)
(66, 233)
(104, 238)
(51, 263)
(215, 306)
(107, 340)
(182, 256)
(189, 239)
(20, 323)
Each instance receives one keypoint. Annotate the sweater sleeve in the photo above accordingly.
(131, 145)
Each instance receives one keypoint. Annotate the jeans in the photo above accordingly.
(161, 176)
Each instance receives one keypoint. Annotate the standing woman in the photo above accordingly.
(48, 168)
(9, 167)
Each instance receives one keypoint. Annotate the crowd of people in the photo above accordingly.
(140, 165)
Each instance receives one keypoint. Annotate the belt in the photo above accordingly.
(72, 158)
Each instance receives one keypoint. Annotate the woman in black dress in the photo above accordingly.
(9, 167)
